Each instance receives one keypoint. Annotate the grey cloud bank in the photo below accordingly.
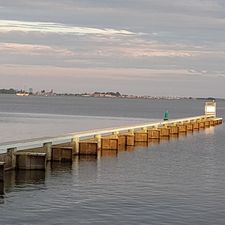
(143, 47)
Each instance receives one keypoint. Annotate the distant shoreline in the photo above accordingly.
(121, 97)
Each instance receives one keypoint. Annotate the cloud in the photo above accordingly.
(47, 27)
(116, 40)
(100, 73)
(16, 48)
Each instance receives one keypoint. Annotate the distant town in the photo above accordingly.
(30, 92)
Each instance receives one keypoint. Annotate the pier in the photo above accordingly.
(34, 154)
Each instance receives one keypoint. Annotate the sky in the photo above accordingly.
(143, 47)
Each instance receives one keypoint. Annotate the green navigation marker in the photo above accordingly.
(166, 116)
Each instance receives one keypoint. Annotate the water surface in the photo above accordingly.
(180, 181)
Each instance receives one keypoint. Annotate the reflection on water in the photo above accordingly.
(154, 142)
(20, 179)
(141, 144)
(109, 153)
(121, 148)
(2, 190)
(87, 170)
(210, 130)
(87, 157)
(130, 148)
(59, 167)
(23, 177)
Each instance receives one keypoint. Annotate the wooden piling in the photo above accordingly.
(207, 123)
(9, 159)
(189, 126)
(195, 125)
(140, 136)
(62, 153)
(212, 122)
(174, 130)
(122, 140)
(130, 140)
(88, 147)
(201, 124)
(31, 161)
(182, 128)
(153, 134)
(164, 132)
(110, 142)
(218, 121)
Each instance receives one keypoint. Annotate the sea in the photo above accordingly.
(177, 181)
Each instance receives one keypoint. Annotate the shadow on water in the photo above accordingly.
(141, 144)
(59, 167)
(85, 158)
(2, 188)
(20, 179)
(109, 153)
(2, 200)
(86, 168)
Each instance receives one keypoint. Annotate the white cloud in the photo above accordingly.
(46, 27)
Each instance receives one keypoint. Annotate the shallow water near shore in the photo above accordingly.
(176, 181)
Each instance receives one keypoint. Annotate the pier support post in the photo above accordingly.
(220, 121)
(2, 177)
(164, 132)
(207, 123)
(122, 139)
(48, 150)
(212, 123)
(195, 125)
(98, 138)
(201, 124)
(174, 130)
(141, 136)
(110, 143)
(153, 134)
(62, 153)
(75, 145)
(11, 152)
(88, 148)
(182, 128)
(130, 139)
(216, 122)
(31, 161)
(189, 126)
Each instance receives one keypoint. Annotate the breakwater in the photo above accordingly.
(34, 154)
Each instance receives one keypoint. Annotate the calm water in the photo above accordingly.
(180, 181)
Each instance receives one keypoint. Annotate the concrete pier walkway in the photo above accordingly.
(34, 154)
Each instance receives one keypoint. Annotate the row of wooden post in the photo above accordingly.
(116, 140)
